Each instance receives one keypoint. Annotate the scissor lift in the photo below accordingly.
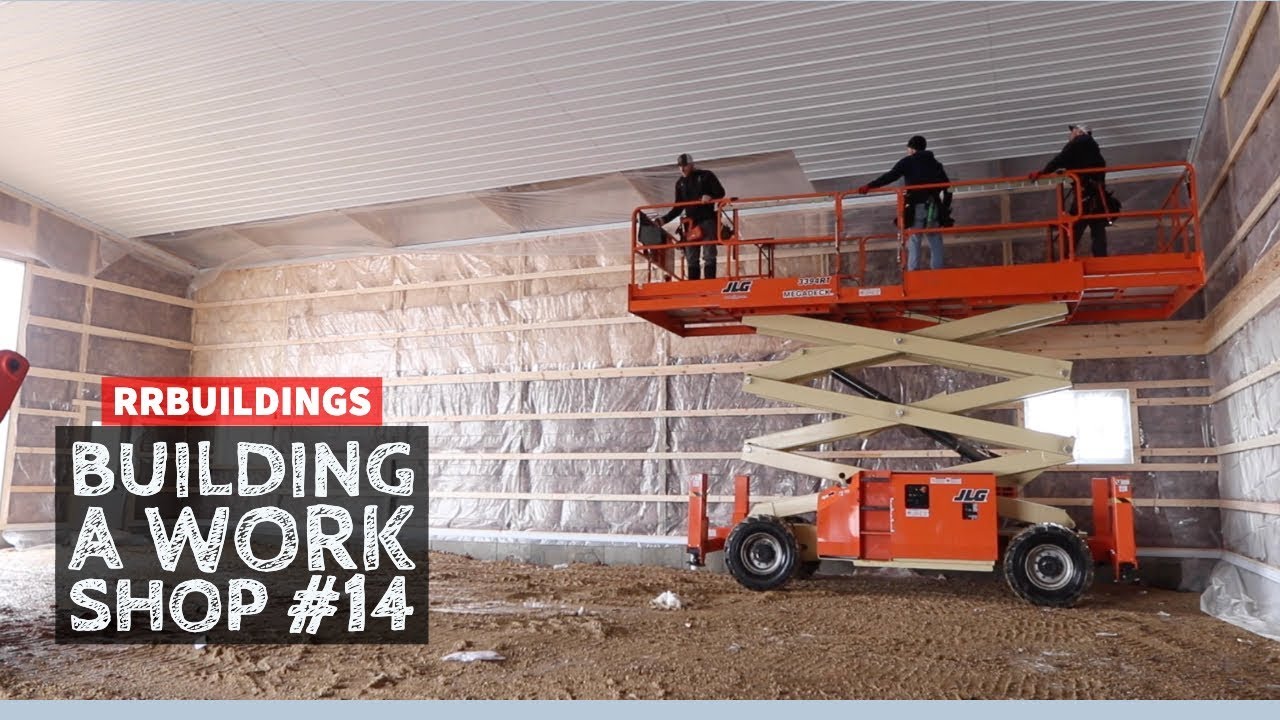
(970, 516)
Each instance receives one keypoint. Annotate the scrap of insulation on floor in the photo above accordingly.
(666, 601)
(473, 656)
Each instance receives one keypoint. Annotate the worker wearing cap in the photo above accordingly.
(923, 207)
(697, 184)
(1082, 153)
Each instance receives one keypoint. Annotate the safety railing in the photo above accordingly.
(753, 234)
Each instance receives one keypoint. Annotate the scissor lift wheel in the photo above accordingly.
(762, 553)
(1049, 565)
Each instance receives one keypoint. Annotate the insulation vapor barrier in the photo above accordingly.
(593, 449)
(551, 407)
(1247, 592)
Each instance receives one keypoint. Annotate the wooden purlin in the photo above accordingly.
(845, 347)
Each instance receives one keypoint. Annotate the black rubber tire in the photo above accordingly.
(1048, 565)
(761, 553)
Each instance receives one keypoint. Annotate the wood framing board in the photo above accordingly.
(427, 285)
(601, 415)
(440, 332)
(41, 412)
(1254, 292)
(1237, 146)
(1077, 343)
(821, 455)
(84, 328)
(830, 455)
(90, 282)
(1172, 401)
(82, 364)
(1243, 44)
(1246, 226)
(1249, 380)
(1268, 508)
(1251, 444)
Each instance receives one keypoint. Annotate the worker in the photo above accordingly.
(1082, 153)
(924, 208)
(693, 184)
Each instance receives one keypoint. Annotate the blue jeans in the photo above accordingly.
(922, 219)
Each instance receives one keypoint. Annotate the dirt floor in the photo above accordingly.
(590, 632)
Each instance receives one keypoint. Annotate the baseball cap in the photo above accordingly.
(684, 159)
(1082, 126)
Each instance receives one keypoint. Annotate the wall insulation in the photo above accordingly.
(93, 306)
(552, 409)
(1238, 158)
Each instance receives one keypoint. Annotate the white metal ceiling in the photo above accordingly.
(148, 117)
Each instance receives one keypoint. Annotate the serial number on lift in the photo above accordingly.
(825, 280)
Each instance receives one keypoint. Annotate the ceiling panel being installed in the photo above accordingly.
(154, 118)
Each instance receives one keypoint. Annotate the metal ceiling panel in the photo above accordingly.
(149, 118)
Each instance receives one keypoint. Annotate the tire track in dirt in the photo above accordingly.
(588, 632)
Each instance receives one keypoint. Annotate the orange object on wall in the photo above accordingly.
(13, 369)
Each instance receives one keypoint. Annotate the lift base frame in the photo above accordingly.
(872, 521)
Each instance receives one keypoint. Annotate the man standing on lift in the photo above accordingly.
(1082, 153)
(923, 207)
(697, 184)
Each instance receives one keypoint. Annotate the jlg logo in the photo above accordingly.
(972, 495)
(737, 286)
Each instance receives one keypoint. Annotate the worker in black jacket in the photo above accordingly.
(1082, 153)
(923, 207)
(697, 184)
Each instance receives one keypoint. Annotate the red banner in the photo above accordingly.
(241, 401)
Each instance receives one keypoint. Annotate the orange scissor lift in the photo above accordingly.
(805, 274)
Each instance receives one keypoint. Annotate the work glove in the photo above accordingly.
(864, 189)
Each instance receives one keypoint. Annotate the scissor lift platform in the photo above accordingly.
(1151, 284)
